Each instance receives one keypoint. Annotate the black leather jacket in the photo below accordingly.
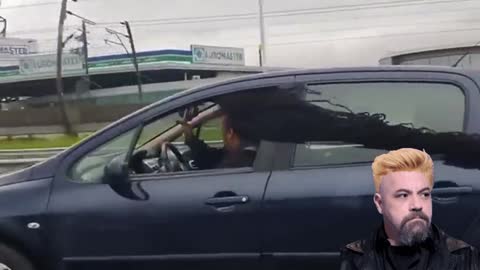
(448, 253)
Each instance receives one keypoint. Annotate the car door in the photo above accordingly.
(194, 219)
(201, 219)
(320, 197)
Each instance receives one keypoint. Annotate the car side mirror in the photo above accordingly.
(116, 171)
(117, 177)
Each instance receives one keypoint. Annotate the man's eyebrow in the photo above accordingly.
(424, 189)
(403, 190)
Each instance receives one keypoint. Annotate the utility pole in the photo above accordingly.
(85, 46)
(59, 79)
(260, 55)
(135, 62)
(83, 38)
(263, 44)
(133, 54)
(3, 33)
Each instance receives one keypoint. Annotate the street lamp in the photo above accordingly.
(81, 18)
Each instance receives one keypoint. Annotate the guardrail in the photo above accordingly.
(31, 156)
(12, 160)
(27, 156)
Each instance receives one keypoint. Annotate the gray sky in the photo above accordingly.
(300, 33)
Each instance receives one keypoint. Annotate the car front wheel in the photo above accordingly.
(10, 259)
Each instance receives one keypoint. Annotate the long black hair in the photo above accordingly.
(283, 115)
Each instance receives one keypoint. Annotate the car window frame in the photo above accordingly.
(161, 108)
(166, 175)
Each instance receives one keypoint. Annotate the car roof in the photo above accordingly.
(297, 72)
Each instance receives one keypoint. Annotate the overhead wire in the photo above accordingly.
(376, 36)
(166, 21)
(29, 5)
(294, 12)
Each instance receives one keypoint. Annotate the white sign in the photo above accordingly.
(47, 63)
(17, 46)
(217, 55)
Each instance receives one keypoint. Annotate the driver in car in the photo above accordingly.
(236, 152)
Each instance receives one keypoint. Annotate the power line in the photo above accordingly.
(39, 30)
(360, 38)
(420, 2)
(367, 27)
(377, 5)
(294, 12)
(390, 16)
(375, 36)
(30, 5)
(245, 16)
(34, 5)
(424, 23)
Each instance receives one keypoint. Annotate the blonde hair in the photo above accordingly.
(404, 159)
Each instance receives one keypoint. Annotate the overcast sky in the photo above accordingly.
(299, 33)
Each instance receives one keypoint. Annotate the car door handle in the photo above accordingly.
(452, 190)
(227, 201)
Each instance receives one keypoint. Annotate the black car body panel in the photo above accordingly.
(23, 224)
(16, 177)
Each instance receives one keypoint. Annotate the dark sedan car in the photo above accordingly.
(144, 194)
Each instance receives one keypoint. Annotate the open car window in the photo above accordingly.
(227, 132)
(163, 146)
(166, 129)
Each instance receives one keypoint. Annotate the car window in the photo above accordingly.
(225, 133)
(90, 168)
(166, 146)
(156, 128)
(212, 131)
(436, 106)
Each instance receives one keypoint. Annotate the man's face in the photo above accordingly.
(230, 138)
(404, 201)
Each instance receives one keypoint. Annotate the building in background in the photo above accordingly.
(13, 48)
(112, 79)
(464, 57)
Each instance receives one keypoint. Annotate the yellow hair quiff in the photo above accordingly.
(404, 159)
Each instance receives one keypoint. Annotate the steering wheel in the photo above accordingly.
(169, 164)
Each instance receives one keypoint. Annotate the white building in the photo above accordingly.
(465, 57)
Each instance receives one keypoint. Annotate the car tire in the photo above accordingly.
(10, 259)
